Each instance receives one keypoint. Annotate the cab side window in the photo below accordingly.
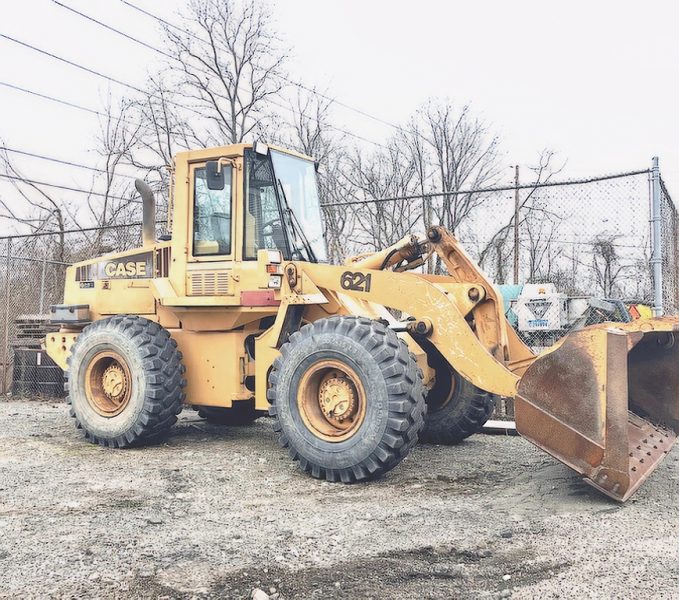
(263, 221)
(211, 216)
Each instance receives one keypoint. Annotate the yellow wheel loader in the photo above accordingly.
(237, 314)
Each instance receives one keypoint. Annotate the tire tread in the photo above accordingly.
(405, 389)
(164, 396)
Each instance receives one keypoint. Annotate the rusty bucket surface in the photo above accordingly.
(605, 402)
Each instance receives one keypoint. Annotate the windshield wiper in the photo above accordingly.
(297, 227)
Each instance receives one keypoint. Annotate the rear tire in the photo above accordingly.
(347, 399)
(240, 413)
(125, 381)
(456, 408)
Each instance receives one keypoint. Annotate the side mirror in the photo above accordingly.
(214, 175)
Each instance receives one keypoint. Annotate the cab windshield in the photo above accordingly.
(283, 207)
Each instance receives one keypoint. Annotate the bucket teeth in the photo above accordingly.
(648, 445)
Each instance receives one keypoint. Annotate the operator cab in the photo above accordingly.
(281, 207)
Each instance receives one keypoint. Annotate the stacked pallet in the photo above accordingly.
(33, 372)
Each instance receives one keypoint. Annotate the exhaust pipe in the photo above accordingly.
(148, 228)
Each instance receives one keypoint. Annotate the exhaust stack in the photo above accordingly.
(148, 228)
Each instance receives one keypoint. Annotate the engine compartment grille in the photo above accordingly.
(210, 283)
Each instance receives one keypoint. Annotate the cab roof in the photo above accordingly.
(231, 151)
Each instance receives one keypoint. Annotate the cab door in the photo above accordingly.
(212, 239)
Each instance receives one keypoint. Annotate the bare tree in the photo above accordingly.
(340, 219)
(416, 144)
(113, 205)
(441, 149)
(386, 173)
(606, 263)
(311, 124)
(462, 153)
(229, 62)
(451, 150)
(540, 226)
(413, 139)
(108, 200)
(641, 274)
(41, 210)
(533, 211)
(312, 135)
(566, 278)
(36, 208)
(164, 130)
(497, 257)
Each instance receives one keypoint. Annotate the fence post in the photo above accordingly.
(675, 261)
(42, 285)
(517, 206)
(5, 349)
(656, 238)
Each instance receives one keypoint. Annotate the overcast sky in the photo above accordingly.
(593, 81)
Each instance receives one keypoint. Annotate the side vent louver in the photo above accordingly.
(212, 283)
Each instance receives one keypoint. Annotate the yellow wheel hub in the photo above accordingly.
(108, 384)
(331, 400)
(337, 398)
(113, 381)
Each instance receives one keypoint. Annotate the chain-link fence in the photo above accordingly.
(669, 231)
(565, 253)
(33, 275)
(583, 252)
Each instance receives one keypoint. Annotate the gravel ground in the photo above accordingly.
(217, 512)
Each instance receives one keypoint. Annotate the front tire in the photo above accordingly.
(347, 399)
(125, 381)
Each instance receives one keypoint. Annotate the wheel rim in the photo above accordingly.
(331, 400)
(108, 384)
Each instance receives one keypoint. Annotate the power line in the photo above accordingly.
(51, 98)
(39, 260)
(113, 29)
(66, 187)
(174, 58)
(63, 162)
(95, 72)
(71, 63)
(145, 93)
(279, 76)
(58, 186)
(73, 105)
(508, 188)
(93, 111)
(119, 82)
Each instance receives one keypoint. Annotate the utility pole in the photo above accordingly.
(516, 224)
